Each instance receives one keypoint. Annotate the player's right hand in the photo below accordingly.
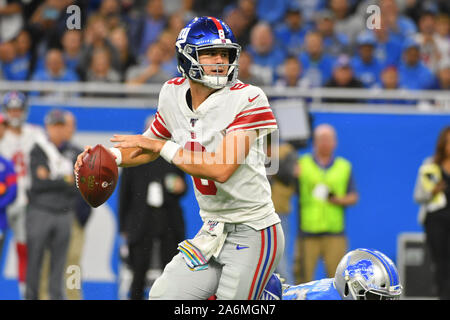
(80, 157)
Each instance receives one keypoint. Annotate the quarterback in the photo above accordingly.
(212, 126)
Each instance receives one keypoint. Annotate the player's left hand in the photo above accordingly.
(137, 141)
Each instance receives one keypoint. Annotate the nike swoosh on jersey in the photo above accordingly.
(239, 247)
(252, 99)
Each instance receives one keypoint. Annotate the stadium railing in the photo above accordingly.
(119, 94)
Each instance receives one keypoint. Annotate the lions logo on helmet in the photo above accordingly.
(364, 274)
(207, 33)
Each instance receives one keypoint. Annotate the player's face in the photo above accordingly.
(15, 116)
(214, 60)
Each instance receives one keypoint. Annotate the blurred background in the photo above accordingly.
(382, 81)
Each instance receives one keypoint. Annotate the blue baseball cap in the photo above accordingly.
(410, 43)
(366, 38)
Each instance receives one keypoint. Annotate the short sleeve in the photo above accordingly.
(256, 114)
(159, 128)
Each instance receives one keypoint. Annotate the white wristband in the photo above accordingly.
(169, 150)
(116, 152)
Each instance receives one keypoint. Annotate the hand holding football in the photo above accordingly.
(97, 177)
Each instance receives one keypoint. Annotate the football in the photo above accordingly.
(97, 177)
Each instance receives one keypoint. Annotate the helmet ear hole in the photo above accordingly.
(346, 290)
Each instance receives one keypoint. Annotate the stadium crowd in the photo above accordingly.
(291, 43)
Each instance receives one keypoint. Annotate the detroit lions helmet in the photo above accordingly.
(273, 289)
(206, 33)
(15, 100)
(364, 274)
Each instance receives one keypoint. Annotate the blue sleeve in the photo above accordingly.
(11, 186)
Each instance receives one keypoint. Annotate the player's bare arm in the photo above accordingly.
(218, 166)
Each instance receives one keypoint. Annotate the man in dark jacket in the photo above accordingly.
(52, 197)
(149, 211)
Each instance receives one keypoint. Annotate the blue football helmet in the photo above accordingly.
(15, 100)
(273, 289)
(207, 33)
(365, 274)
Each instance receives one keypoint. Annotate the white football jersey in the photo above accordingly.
(246, 196)
(17, 148)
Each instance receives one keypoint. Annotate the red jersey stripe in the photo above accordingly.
(156, 134)
(264, 116)
(257, 126)
(161, 128)
(251, 110)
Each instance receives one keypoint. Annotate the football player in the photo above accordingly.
(362, 274)
(212, 126)
(16, 146)
(8, 188)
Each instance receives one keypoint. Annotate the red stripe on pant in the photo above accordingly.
(274, 253)
(22, 255)
(261, 255)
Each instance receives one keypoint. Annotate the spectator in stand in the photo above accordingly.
(11, 20)
(147, 29)
(7, 56)
(365, 65)
(317, 65)
(119, 40)
(433, 48)
(334, 42)
(309, 10)
(443, 26)
(291, 75)
(96, 37)
(55, 70)
(151, 71)
(241, 19)
(344, 21)
(110, 10)
(23, 63)
(413, 74)
(47, 25)
(396, 23)
(389, 81)
(271, 11)
(170, 62)
(100, 69)
(247, 72)
(388, 49)
(72, 46)
(264, 49)
(291, 32)
(343, 77)
(443, 74)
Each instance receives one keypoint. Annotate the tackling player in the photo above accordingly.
(212, 126)
(362, 274)
(16, 146)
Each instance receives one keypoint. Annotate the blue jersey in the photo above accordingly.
(323, 289)
(8, 189)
